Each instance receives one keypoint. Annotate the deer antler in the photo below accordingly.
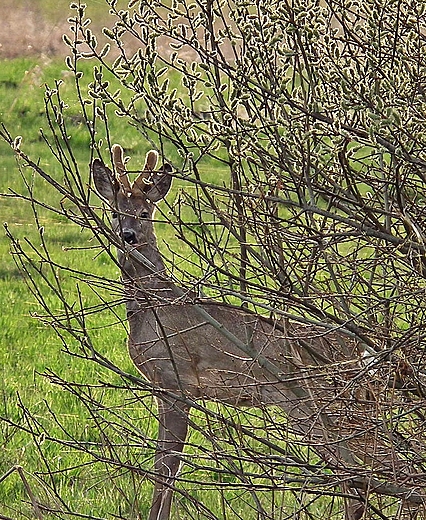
(151, 159)
(117, 157)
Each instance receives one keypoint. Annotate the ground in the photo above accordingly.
(35, 27)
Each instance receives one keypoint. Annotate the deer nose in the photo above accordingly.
(129, 236)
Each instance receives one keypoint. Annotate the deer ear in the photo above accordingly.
(160, 184)
(105, 182)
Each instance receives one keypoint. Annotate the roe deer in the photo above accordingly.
(215, 351)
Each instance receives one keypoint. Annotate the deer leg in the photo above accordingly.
(173, 426)
(354, 510)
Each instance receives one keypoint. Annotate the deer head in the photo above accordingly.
(132, 204)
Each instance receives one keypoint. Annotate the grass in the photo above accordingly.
(34, 411)
(35, 28)
(46, 411)
(29, 347)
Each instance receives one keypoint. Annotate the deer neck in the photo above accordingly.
(145, 276)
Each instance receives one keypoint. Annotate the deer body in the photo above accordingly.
(178, 350)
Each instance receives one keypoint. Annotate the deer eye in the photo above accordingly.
(144, 214)
(114, 215)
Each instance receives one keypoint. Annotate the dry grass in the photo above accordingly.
(35, 27)
(26, 31)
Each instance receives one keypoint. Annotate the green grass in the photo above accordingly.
(36, 412)
(29, 347)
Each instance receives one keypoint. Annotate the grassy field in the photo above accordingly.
(29, 347)
(34, 413)
(35, 28)
(65, 446)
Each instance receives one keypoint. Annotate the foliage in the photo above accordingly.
(296, 133)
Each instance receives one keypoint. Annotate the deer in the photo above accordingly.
(215, 351)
